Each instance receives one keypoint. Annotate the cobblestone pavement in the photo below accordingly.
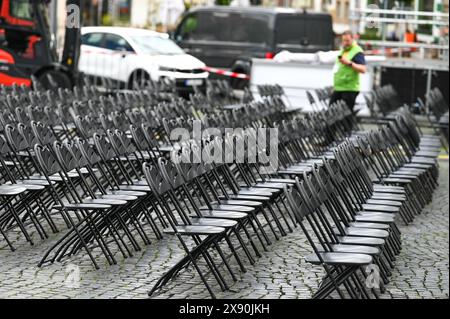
(422, 268)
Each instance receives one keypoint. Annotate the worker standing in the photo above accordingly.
(349, 64)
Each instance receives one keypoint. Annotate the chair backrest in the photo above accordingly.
(104, 147)
(155, 180)
(20, 137)
(65, 156)
(87, 126)
(90, 156)
(295, 202)
(21, 115)
(48, 163)
(170, 173)
(4, 148)
(38, 114)
(43, 133)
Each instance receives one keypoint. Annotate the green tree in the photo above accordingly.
(223, 2)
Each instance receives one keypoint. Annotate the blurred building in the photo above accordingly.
(161, 15)
(341, 10)
(156, 14)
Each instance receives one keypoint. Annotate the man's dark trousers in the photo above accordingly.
(349, 97)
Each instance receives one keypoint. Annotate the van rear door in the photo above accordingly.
(219, 38)
(304, 32)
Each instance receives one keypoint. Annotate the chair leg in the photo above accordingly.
(224, 259)
(244, 247)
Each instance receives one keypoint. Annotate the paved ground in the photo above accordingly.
(422, 268)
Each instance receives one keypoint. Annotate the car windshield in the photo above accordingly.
(155, 45)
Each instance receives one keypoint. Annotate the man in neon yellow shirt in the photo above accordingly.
(349, 65)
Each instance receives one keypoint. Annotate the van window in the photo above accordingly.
(225, 27)
(298, 30)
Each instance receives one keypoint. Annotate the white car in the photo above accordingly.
(126, 55)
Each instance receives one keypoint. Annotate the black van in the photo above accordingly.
(228, 37)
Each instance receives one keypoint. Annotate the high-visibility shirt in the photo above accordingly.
(345, 78)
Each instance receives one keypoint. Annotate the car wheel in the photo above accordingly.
(139, 80)
(54, 79)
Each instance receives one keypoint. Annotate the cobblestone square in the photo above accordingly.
(422, 268)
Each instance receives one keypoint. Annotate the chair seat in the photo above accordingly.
(11, 190)
(257, 190)
(83, 170)
(27, 186)
(411, 171)
(423, 160)
(53, 178)
(374, 201)
(270, 185)
(35, 182)
(190, 230)
(356, 240)
(294, 171)
(122, 197)
(106, 201)
(80, 206)
(417, 165)
(299, 167)
(141, 182)
(431, 136)
(278, 180)
(388, 196)
(381, 208)
(223, 214)
(235, 202)
(164, 148)
(403, 175)
(363, 232)
(431, 140)
(250, 198)
(375, 218)
(217, 222)
(429, 148)
(344, 259)
(389, 189)
(138, 188)
(126, 192)
(397, 180)
(370, 225)
(235, 208)
(431, 154)
(355, 249)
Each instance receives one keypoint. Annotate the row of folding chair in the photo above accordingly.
(436, 110)
(114, 182)
(350, 219)
(251, 188)
(384, 101)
